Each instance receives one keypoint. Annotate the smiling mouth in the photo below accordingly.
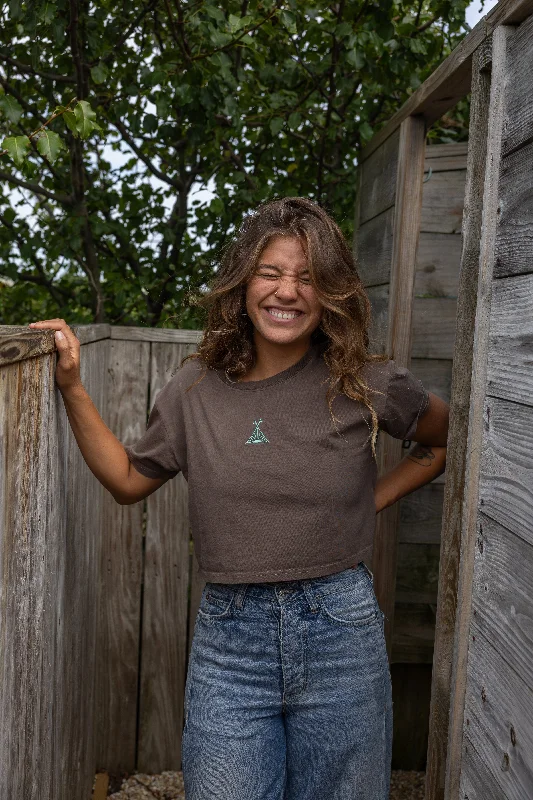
(279, 314)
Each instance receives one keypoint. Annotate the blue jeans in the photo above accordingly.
(288, 692)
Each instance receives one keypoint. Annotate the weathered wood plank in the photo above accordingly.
(434, 323)
(443, 200)
(76, 623)
(451, 81)
(506, 479)
(17, 343)
(476, 778)
(459, 411)
(511, 340)
(408, 204)
(421, 515)
(518, 120)
(379, 301)
(451, 150)
(197, 587)
(514, 245)
(503, 588)
(378, 180)
(165, 602)
(30, 532)
(443, 164)
(414, 633)
(417, 573)
(498, 718)
(461, 496)
(136, 334)
(435, 374)
(437, 265)
(374, 249)
(121, 569)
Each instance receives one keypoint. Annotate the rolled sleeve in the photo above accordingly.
(406, 400)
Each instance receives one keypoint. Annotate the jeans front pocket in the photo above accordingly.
(352, 603)
(216, 602)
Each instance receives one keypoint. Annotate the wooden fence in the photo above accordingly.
(480, 726)
(95, 598)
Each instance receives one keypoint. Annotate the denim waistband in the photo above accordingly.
(313, 588)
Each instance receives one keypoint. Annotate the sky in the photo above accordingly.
(474, 11)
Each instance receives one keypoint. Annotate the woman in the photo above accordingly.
(274, 423)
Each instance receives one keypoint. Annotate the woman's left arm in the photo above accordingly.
(424, 462)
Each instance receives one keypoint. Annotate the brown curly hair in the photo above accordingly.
(228, 342)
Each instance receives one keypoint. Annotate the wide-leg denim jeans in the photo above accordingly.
(288, 693)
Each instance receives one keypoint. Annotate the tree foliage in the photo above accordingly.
(255, 99)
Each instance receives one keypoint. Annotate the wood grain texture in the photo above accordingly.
(457, 437)
(379, 301)
(506, 477)
(451, 81)
(408, 205)
(437, 265)
(498, 719)
(518, 120)
(511, 340)
(434, 323)
(197, 587)
(17, 343)
(454, 150)
(502, 607)
(435, 374)
(414, 633)
(471, 465)
(378, 180)
(421, 515)
(121, 569)
(417, 573)
(443, 200)
(374, 249)
(32, 530)
(165, 602)
(83, 510)
(514, 245)
(132, 334)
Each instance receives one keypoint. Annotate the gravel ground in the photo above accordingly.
(169, 786)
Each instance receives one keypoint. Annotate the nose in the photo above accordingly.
(287, 288)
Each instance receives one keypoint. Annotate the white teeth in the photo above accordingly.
(283, 314)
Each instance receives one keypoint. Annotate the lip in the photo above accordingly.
(266, 309)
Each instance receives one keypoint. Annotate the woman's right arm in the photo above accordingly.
(104, 454)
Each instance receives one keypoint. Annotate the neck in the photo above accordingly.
(271, 358)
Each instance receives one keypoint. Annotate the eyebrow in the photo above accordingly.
(272, 266)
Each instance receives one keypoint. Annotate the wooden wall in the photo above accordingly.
(493, 678)
(49, 540)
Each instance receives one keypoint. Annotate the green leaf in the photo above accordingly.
(47, 12)
(99, 73)
(150, 123)
(294, 120)
(276, 124)
(11, 108)
(366, 131)
(17, 148)
(85, 117)
(70, 120)
(49, 144)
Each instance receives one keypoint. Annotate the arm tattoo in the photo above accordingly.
(422, 454)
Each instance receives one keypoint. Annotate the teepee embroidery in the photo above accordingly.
(257, 437)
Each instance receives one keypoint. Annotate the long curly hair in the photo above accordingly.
(228, 341)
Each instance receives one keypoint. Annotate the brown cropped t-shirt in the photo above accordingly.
(276, 492)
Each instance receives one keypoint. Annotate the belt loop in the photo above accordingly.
(312, 596)
(240, 594)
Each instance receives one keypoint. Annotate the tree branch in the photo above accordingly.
(62, 199)
(49, 76)
(175, 182)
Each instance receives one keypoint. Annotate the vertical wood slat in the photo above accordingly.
(164, 646)
(458, 432)
(121, 569)
(81, 549)
(408, 206)
(475, 422)
(29, 591)
(48, 538)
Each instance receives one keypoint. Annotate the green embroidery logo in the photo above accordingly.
(257, 437)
